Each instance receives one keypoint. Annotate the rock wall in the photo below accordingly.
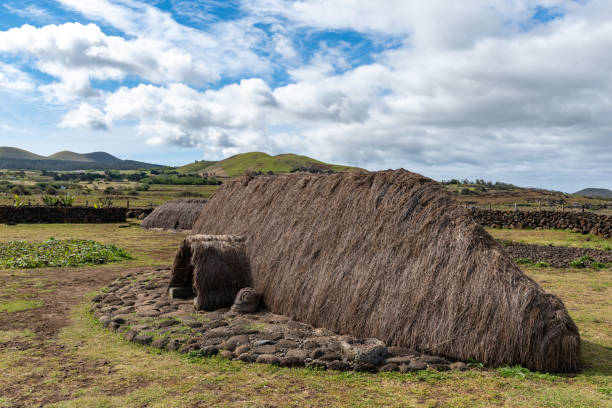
(583, 222)
(60, 215)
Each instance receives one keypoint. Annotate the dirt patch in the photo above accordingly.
(60, 290)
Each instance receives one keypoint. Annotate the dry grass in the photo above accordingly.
(391, 255)
(175, 215)
(216, 266)
(88, 366)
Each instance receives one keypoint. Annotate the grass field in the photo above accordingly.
(53, 353)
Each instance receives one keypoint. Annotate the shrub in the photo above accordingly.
(599, 265)
(522, 261)
(542, 264)
(581, 262)
(56, 253)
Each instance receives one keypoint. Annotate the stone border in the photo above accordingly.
(138, 307)
(60, 215)
(581, 222)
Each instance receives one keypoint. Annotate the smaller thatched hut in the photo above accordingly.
(215, 266)
(175, 214)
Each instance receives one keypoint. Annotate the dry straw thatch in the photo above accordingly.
(391, 255)
(175, 214)
(215, 266)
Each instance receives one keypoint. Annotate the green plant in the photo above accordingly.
(599, 265)
(607, 248)
(65, 200)
(522, 261)
(542, 264)
(104, 202)
(475, 364)
(581, 262)
(58, 253)
(49, 201)
(18, 202)
(523, 373)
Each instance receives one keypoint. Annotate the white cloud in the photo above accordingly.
(466, 90)
(14, 79)
(86, 116)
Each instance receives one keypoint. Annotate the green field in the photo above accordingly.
(82, 364)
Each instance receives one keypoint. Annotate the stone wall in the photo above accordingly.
(583, 222)
(60, 215)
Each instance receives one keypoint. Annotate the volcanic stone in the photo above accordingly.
(267, 359)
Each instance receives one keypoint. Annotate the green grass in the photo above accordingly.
(90, 366)
(551, 237)
(58, 253)
(19, 305)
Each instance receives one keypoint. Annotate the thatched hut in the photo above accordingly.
(391, 255)
(175, 214)
(215, 266)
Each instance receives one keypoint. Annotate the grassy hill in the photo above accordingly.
(261, 162)
(594, 192)
(14, 158)
(70, 156)
(17, 154)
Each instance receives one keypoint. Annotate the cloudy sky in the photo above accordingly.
(510, 90)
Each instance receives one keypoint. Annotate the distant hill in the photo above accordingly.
(258, 161)
(14, 158)
(595, 192)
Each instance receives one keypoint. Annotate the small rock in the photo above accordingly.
(269, 336)
(389, 367)
(159, 343)
(270, 349)
(459, 366)
(432, 360)
(217, 332)
(337, 365)
(330, 356)
(263, 343)
(242, 349)
(174, 345)
(291, 361)
(181, 293)
(370, 351)
(398, 360)
(209, 351)
(440, 367)
(227, 354)
(129, 336)
(234, 342)
(287, 344)
(118, 319)
(413, 366)
(247, 357)
(214, 324)
(194, 324)
(167, 323)
(365, 367)
(267, 359)
(300, 354)
(105, 320)
(247, 301)
(311, 345)
(142, 339)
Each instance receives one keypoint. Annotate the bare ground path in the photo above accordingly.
(68, 288)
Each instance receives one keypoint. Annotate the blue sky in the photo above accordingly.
(511, 91)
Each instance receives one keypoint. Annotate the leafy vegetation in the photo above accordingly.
(58, 253)
(62, 200)
(581, 262)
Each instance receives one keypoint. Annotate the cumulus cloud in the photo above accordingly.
(85, 116)
(14, 79)
(465, 90)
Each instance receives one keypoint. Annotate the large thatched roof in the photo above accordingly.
(391, 255)
(175, 214)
